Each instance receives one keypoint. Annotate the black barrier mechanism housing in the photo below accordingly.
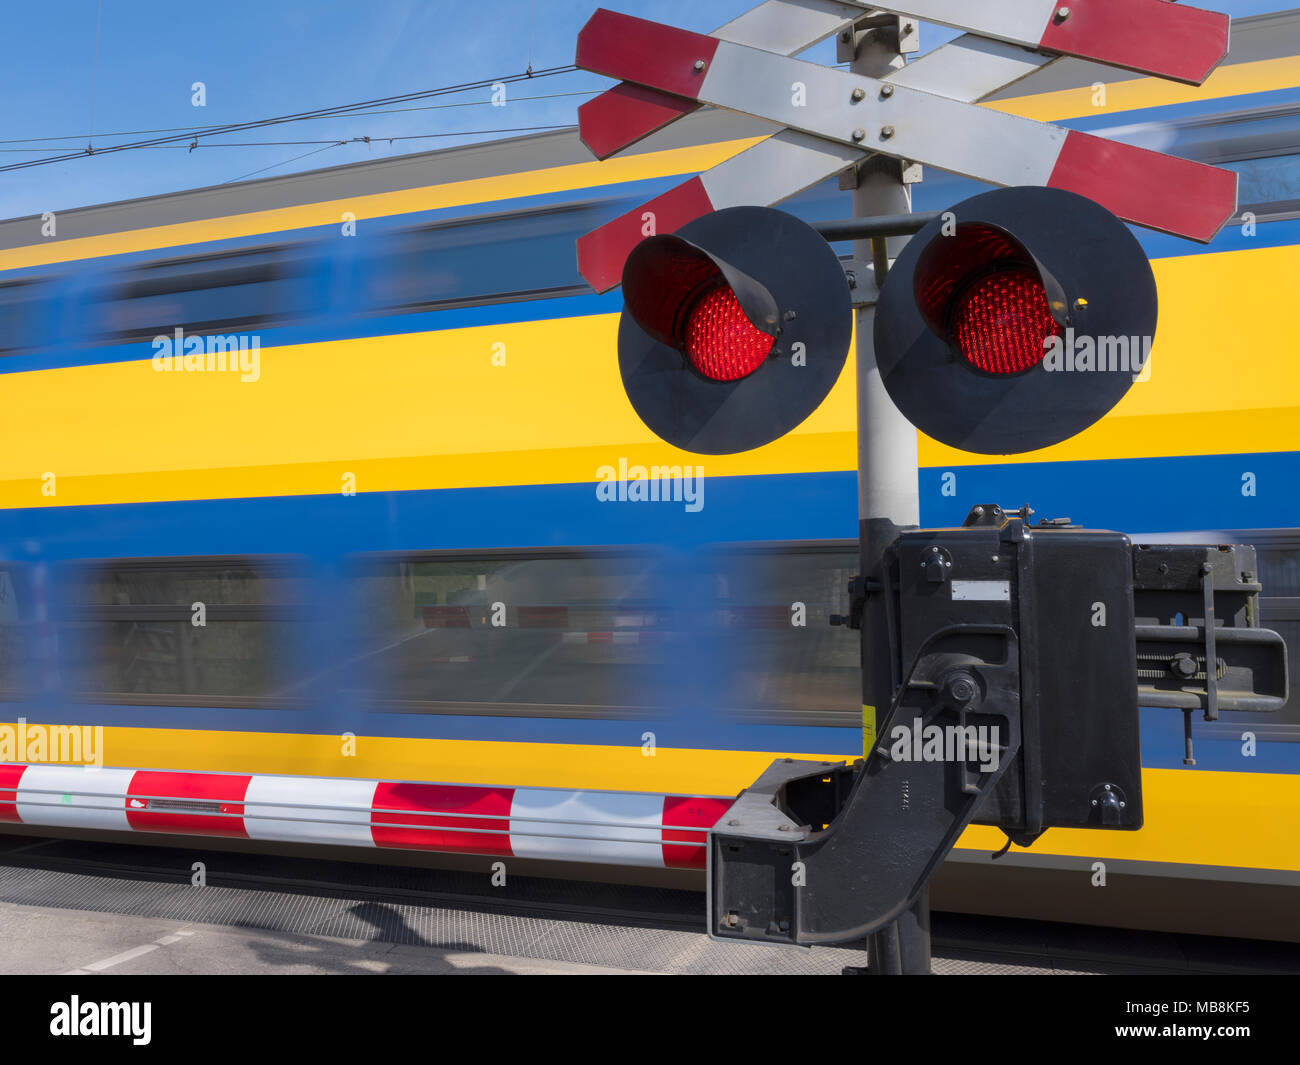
(1003, 669)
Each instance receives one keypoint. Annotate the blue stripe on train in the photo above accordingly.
(1148, 495)
(362, 327)
(788, 507)
(1183, 493)
(810, 506)
(1163, 746)
(1156, 246)
(942, 191)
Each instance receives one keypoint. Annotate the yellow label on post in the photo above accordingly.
(868, 729)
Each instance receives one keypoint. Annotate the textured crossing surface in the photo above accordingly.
(88, 908)
(274, 926)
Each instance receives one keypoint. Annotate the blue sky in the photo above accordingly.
(259, 58)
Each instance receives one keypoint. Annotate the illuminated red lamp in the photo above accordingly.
(980, 289)
(723, 321)
(1001, 322)
(721, 342)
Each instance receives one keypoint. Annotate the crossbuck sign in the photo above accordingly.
(924, 112)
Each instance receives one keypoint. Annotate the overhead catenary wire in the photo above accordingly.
(198, 130)
(285, 162)
(361, 140)
(340, 140)
(339, 111)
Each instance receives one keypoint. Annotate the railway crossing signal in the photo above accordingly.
(988, 335)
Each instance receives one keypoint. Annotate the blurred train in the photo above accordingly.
(374, 562)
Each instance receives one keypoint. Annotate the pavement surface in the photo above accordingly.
(82, 908)
(41, 941)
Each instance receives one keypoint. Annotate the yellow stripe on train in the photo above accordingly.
(1264, 75)
(436, 411)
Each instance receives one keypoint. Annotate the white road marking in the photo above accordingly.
(126, 955)
(118, 959)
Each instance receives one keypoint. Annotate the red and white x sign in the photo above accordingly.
(834, 117)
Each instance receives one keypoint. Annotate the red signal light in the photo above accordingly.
(722, 320)
(981, 290)
(982, 300)
(1001, 322)
(720, 340)
(733, 330)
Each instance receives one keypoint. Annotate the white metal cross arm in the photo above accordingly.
(853, 112)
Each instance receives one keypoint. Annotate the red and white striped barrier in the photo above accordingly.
(614, 828)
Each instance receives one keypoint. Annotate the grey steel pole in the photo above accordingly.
(887, 459)
(886, 440)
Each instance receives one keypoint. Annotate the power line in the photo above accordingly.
(345, 140)
(358, 140)
(284, 162)
(308, 118)
(340, 110)
(368, 141)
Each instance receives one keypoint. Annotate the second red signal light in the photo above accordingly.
(1015, 320)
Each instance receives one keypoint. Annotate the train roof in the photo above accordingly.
(1260, 37)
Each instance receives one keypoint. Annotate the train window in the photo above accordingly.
(575, 636)
(476, 260)
(1279, 570)
(1278, 557)
(188, 632)
(207, 294)
(1264, 182)
(784, 659)
(22, 316)
(743, 633)
(17, 640)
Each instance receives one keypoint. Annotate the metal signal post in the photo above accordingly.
(887, 443)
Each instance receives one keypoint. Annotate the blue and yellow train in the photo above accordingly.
(320, 521)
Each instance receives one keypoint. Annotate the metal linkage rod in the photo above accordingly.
(885, 225)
